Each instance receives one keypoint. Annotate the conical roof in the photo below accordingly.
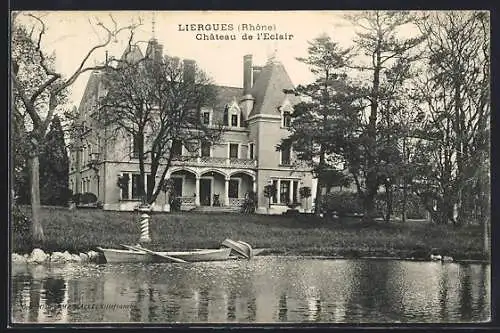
(268, 89)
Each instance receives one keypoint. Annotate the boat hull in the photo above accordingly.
(129, 256)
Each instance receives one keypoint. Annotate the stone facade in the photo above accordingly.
(245, 159)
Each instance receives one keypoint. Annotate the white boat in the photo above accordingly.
(240, 248)
(134, 256)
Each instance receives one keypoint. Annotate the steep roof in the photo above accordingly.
(268, 89)
(225, 95)
(132, 54)
(91, 89)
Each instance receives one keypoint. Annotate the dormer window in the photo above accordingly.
(286, 111)
(206, 118)
(232, 115)
(287, 119)
(234, 120)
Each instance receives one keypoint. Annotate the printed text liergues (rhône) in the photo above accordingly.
(231, 31)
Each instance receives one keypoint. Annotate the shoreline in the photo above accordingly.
(97, 257)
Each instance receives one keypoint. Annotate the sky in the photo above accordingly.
(70, 35)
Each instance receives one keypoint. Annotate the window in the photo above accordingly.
(275, 198)
(233, 188)
(206, 118)
(135, 146)
(295, 191)
(125, 190)
(176, 148)
(234, 120)
(149, 183)
(287, 119)
(250, 151)
(285, 191)
(135, 186)
(233, 150)
(285, 155)
(177, 186)
(205, 149)
(226, 116)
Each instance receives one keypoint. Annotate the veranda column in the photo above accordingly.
(197, 191)
(226, 192)
(291, 191)
(278, 191)
(254, 185)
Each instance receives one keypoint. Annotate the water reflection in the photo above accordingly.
(263, 290)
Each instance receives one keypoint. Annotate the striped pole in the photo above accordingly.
(145, 229)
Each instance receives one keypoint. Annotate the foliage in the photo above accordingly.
(54, 167)
(345, 121)
(342, 203)
(250, 203)
(157, 101)
(39, 89)
(122, 182)
(305, 192)
(88, 198)
(451, 164)
(21, 228)
(175, 204)
(269, 192)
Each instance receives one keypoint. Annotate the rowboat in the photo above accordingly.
(136, 256)
(239, 248)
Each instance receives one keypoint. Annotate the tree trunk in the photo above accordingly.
(388, 200)
(37, 230)
(405, 190)
(317, 206)
(369, 207)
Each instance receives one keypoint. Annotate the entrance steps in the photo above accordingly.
(217, 209)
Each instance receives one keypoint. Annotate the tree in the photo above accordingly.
(38, 90)
(158, 102)
(305, 192)
(54, 166)
(323, 117)
(454, 93)
(270, 192)
(388, 60)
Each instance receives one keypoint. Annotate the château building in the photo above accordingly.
(256, 117)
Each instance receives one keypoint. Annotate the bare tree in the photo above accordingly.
(455, 95)
(39, 88)
(158, 101)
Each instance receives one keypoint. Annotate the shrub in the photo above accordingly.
(250, 203)
(342, 202)
(175, 204)
(76, 198)
(88, 198)
(21, 229)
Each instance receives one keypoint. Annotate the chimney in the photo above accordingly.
(159, 52)
(255, 73)
(189, 70)
(247, 74)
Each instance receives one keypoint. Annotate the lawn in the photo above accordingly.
(84, 229)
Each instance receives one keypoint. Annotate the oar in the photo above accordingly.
(137, 248)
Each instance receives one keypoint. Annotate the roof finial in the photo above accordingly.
(273, 57)
(153, 26)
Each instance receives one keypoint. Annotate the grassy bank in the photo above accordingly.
(85, 229)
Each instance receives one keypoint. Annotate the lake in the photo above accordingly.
(266, 289)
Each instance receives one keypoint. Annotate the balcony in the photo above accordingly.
(241, 163)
